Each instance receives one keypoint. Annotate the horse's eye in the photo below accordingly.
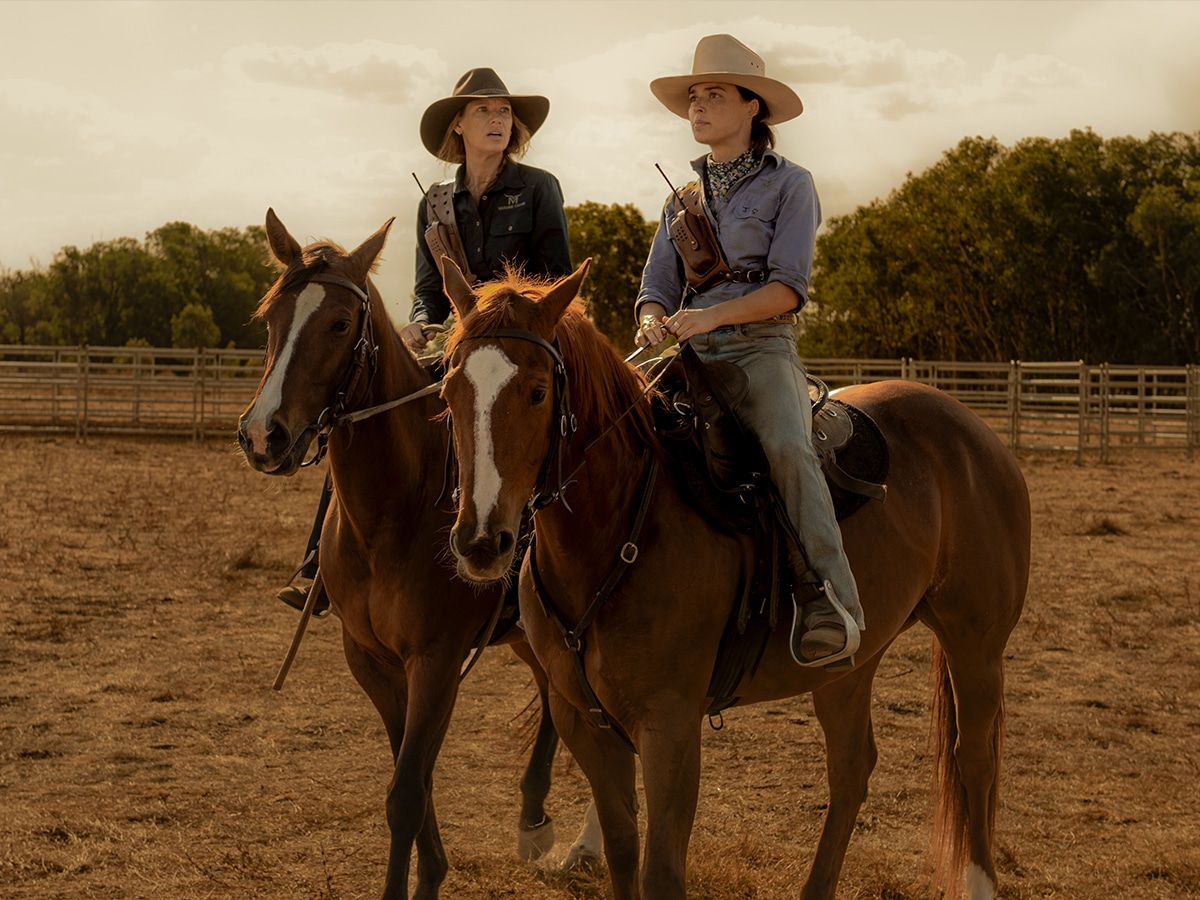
(537, 396)
(341, 326)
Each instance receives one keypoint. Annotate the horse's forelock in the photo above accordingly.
(603, 387)
(313, 259)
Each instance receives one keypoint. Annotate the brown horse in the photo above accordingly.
(949, 548)
(408, 623)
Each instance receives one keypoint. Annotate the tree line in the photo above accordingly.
(1073, 249)
(1076, 248)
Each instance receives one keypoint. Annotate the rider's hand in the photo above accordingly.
(651, 331)
(413, 335)
(687, 323)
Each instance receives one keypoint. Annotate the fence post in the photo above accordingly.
(1105, 412)
(81, 393)
(1191, 427)
(1014, 404)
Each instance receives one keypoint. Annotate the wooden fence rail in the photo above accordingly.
(1084, 409)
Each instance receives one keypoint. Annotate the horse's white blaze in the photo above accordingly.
(263, 412)
(979, 886)
(488, 370)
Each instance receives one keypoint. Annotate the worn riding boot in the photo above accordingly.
(824, 631)
(295, 592)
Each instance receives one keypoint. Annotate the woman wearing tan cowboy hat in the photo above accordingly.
(764, 212)
(494, 212)
(502, 211)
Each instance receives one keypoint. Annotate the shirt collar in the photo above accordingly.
(509, 177)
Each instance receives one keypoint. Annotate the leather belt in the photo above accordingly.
(749, 276)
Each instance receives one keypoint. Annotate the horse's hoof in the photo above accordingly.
(582, 860)
(536, 841)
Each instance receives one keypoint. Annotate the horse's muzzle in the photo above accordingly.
(485, 558)
(276, 453)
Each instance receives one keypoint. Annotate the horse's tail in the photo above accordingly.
(951, 848)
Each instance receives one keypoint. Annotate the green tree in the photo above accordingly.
(1077, 248)
(617, 239)
(193, 327)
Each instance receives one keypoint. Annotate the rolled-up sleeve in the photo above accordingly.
(662, 278)
(790, 258)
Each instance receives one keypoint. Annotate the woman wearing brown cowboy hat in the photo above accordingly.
(502, 212)
(495, 212)
(764, 213)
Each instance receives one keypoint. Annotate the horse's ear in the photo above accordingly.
(365, 255)
(559, 297)
(456, 288)
(285, 247)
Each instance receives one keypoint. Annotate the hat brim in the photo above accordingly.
(530, 109)
(783, 103)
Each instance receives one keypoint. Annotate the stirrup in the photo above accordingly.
(843, 658)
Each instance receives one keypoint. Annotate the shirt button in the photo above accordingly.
(510, 228)
(478, 223)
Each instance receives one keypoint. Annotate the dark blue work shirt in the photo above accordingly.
(519, 220)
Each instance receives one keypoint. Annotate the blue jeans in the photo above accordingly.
(778, 411)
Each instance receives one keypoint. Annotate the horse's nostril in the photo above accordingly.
(505, 543)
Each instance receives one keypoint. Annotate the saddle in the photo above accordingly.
(720, 468)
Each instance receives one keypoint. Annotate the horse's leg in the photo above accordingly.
(535, 830)
(670, 752)
(589, 845)
(387, 687)
(611, 771)
(433, 687)
(843, 708)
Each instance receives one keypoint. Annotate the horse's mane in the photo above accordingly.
(604, 389)
(313, 259)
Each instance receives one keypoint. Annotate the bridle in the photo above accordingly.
(544, 494)
(364, 359)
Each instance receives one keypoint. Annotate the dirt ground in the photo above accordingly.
(144, 755)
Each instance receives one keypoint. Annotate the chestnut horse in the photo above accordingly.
(949, 548)
(408, 623)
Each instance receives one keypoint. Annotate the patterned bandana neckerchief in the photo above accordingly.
(721, 176)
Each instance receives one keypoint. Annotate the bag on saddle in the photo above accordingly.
(441, 234)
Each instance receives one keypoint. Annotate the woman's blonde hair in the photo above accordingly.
(452, 149)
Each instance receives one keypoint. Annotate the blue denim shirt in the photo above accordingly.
(767, 220)
(519, 219)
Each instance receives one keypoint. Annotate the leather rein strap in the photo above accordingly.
(573, 637)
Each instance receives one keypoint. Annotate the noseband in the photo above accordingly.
(543, 494)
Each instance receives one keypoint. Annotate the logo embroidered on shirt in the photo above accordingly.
(512, 201)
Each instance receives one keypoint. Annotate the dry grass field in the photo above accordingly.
(143, 754)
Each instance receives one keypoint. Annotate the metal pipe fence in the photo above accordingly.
(1090, 410)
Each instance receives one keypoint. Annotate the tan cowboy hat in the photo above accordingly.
(478, 83)
(723, 59)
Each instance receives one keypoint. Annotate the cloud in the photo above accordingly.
(368, 71)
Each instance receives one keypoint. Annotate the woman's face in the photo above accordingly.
(486, 125)
(719, 114)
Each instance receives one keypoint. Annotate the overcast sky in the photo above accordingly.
(117, 117)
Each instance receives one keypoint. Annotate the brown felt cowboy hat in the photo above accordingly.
(478, 83)
(723, 59)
